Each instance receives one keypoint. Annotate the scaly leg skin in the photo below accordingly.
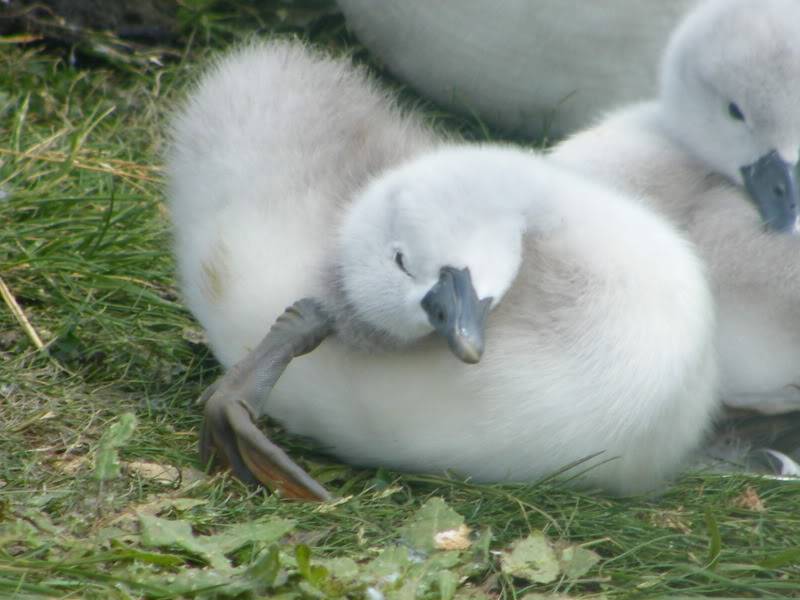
(230, 437)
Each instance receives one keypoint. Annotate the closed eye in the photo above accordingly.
(398, 260)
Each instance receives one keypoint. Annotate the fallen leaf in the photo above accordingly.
(194, 335)
(387, 566)
(576, 561)
(191, 476)
(434, 517)
(531, 558)
(71, 466)
(166, 474)
(670, 519)
(453, 539)
(750, 500)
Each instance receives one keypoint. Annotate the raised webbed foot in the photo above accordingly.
(229, 436)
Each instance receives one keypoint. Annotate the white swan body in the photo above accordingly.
(540, 67)
(683, 153)
(286, 162)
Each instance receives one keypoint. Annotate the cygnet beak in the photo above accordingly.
(457, 314)
(772, 184)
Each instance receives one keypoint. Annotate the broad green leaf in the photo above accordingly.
(448, 583)
(160, 532)
(183, 504)
(189, 583)
(318, 575)
(124, 552)
(114, 537)
(407, 591)
(242, 534)
(342, 568)
(176, 533)
(106, 460)
(302, 554)
(576, 561)
(531, 558)
(265, 568)
(315, 575)
(478, 560)
(310, 591)
(434, 517)
(389, 564)
(444, 560)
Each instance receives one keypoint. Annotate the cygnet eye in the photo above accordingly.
(398, 259)
(735, 112)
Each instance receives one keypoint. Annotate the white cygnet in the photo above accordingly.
(589, 317)
(717, 153)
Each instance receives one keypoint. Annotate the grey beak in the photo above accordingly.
(457, 314)
(772, 184)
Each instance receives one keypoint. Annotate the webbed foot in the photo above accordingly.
(230, 437)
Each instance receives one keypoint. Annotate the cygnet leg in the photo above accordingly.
(230, 436)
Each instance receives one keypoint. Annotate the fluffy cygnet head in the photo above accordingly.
(730, 91)
(431, 246)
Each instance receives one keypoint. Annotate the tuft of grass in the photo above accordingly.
(85, 257)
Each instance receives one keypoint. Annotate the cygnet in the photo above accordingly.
(582, 320)
(717, 152)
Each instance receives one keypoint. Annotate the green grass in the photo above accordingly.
(84, 251)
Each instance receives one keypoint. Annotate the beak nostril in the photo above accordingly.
(771, 183)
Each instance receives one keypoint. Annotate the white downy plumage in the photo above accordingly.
(730, 93)
(291, 175)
